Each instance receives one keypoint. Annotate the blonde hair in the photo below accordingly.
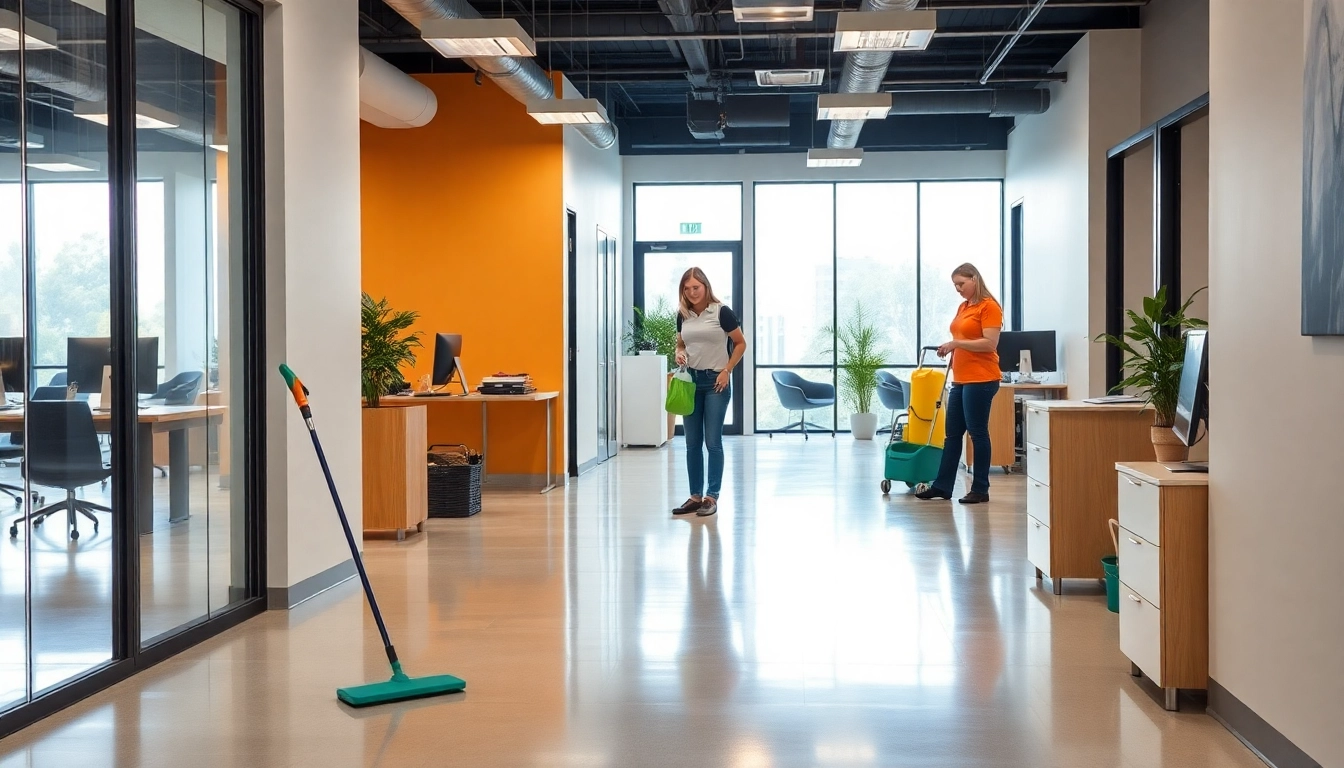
(981, 292)
(697, 274)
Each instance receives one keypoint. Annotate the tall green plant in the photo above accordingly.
(655, 330)
(862, 355)
(385, 348)
(1154, 348)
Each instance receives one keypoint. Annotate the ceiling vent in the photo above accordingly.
(771, 11)
(789, 78)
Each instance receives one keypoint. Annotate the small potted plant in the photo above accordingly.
(861, 357)
(385, 347)
(1154, 349)
(395, 440)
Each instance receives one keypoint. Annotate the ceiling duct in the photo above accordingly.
(863, 73)
(1000, 103)
(520, 78)
(708, 119)
(390, 98)
(682, 15)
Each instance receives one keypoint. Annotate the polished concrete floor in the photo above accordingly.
(811, 622)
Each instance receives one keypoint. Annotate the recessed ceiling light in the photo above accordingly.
(834, 158)
(853, 106)
(771, 11)
(61, 163)
(471, 38)
(568, 112)
(147, 116)
(885, 30)
(36, 37)
(789, 77)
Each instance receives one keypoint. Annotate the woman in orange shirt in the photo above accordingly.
(975, 381)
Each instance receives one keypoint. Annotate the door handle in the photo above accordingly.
(1135, 541)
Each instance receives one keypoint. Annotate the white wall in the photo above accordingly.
(313, 279)
(1175, 56)
(1276, 519)
(749, 169)
(592, 190)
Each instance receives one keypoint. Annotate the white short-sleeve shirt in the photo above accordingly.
(706, 336)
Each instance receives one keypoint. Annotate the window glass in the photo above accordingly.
(688, 212)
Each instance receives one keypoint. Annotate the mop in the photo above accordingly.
(401, 686)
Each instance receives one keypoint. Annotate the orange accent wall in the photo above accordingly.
(463, 221)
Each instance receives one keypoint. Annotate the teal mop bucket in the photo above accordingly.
(910, 463)
(1111, 566)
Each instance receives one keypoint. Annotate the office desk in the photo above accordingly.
(172, 419)
(485, 400)
(1003, 422)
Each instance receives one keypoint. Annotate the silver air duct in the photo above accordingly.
(519, 77)
(682, 15)
(863, 73)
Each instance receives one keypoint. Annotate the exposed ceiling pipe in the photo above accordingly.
(390, 98)
(993, 65)
(863, 73)
(999, 103)
(520, 78)
(682, 38)
(682, 15)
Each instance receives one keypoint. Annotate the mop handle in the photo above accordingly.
(300, 393)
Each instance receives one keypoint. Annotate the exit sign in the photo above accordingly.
(690, 227)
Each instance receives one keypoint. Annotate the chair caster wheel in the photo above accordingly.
(37, 523)
(13, 531)
(886, 487)
(74, 535)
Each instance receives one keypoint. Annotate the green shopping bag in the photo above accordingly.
(681, 394)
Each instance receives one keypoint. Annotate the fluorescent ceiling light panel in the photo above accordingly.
(147, 116)
(61, 163)
(834, 158)
(885, 30)
(472, 38)
(771, 11)
(568, 112)
(220, 147)
(789, 77)
(853, 106)
(36, 37)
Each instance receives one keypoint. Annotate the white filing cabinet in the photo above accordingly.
(1164, 575)
(643, 398)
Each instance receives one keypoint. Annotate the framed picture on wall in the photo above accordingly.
(1323, 171)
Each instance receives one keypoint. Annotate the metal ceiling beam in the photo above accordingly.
(655, 37)
(936, 5)
(1026, 23)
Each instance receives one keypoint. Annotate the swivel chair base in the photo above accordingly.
(801, 425)
(17, 494)
(71, 506)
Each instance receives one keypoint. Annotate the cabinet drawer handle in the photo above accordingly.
(1036, 449)
(1135, 541)
(1134, 483)
(1135, 599)
(1038, 525)
(1038, 485)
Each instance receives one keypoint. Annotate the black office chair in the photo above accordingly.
(50, 392)
(179, 390)
(58, 380)
(892, 395)
(63, 452)
(8, 452)
(798, 394)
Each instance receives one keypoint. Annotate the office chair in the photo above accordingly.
(8, 452)
(798, 394)
(57, 380)
(179, 390)
(893, 397)
(63, 452)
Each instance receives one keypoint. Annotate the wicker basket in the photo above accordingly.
(454, 484)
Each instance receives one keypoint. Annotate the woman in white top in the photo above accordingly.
(705, 326)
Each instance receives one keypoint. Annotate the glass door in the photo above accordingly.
(606, 347)
(658, 271)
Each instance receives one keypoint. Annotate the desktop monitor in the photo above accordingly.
(13, 372)
(1027, 351)
(448, 360)
(1192, 400)
(86, 356)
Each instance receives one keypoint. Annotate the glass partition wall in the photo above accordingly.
(127, 291)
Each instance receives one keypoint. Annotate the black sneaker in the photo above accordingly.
(974, 498)
(933, 493)
(708, 507)
(691, 505)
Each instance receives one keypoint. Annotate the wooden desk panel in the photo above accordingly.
(1003, 423)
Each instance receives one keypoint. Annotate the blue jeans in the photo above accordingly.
(704, 427)
(967, 411)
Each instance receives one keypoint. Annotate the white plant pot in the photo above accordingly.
(863, 425)
(648, 351)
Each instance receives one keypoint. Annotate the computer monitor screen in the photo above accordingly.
(86, 356)
(13, 373)
(447, 359)
(1041, 345)
(1192, 400)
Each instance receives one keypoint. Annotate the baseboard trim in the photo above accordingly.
(285, 598)
(1259, 736)
(525, 482)
(587, 465)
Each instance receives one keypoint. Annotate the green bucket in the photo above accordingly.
(1111, 565)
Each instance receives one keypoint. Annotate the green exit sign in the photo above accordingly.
(690, 227)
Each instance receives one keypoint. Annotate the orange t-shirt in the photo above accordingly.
(972, 319)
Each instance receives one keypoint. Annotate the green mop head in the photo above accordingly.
(400, 688)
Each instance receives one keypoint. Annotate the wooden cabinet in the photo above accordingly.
(1003, 422)
(1164, 575)
(1071, 451)
(396, 479)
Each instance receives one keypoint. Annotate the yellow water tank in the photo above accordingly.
(926, 389)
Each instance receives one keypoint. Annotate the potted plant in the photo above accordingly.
(395, 440)
(861, 357)
(1154, 349)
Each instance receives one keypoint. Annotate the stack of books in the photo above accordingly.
(507, 384)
